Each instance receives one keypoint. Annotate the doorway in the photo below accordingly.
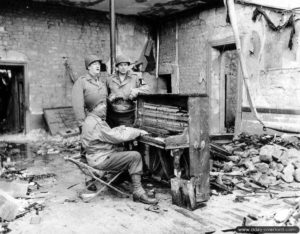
(224, 86)
(229, 75)
(12, 99)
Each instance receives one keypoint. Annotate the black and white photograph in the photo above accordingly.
(149, 116)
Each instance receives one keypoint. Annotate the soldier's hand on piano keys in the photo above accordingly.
(143, 132)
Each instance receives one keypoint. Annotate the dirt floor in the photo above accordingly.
(65, 212)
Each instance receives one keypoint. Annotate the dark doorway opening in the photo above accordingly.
(12, 98)
(230, 76)
(164, 84)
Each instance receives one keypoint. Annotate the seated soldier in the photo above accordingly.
(100, 142)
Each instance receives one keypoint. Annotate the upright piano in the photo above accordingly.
(178, 124)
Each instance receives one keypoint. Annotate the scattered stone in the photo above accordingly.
(262, 167)
(239, 153)
(289, 138)
(278, 152)
(297, 175)
(267, 180)
(265, 158)
(284, 159)
(281, 215)
(279, 167)
(266, 150)
(245, 154)
(255, 159)
(234, 158)
(256, 176)
(292, 221)
(214, 192)
(229, 148)
(297, 216)
(249, 165)
(288, 173)
(293, 154)
(273, 173)
(273, 165)
(228, 166)
(253, 151)
(235, 168)
(296, 164)
(53, 151)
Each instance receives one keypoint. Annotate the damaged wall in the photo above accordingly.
(42, 35)
(273, 67)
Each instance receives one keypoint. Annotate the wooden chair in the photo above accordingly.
(99, 175)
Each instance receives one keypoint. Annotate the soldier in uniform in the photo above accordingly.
(101, 145)
(123, 88)
(89, 92)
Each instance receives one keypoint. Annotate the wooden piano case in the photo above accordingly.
(178, 123)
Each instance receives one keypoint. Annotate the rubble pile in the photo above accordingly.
(58, 145)
(260, 165)
(253, 162)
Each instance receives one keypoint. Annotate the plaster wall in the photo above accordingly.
(273, 67)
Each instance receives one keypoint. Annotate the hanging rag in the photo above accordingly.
(289, 23)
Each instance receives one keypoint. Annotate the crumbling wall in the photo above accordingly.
(42, 35)
(272, 65)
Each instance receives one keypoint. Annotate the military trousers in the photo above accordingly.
(121, 161)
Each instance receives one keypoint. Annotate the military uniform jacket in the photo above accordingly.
(87, 93)
(123, 89)
(99, 140)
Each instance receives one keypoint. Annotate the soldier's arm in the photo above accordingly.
(78, 101)
(141, 87)
(119, 134)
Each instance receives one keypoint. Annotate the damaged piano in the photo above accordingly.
(177, 146)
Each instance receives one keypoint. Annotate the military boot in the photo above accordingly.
(139, 194)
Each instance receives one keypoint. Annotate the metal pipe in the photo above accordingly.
(177, 60)
(157, 52)
(112, 35)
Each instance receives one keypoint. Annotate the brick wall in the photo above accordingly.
(41, 35)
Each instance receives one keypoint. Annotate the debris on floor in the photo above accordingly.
(245, 171)
(262, 165)
(20, 191)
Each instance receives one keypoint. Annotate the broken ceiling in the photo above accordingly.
(149, 8)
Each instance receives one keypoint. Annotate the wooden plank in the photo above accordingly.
(61, 121)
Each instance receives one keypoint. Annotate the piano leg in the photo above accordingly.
(177, 153)
(164, 162)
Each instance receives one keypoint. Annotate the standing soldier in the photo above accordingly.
(123, 88)
(89, 92)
